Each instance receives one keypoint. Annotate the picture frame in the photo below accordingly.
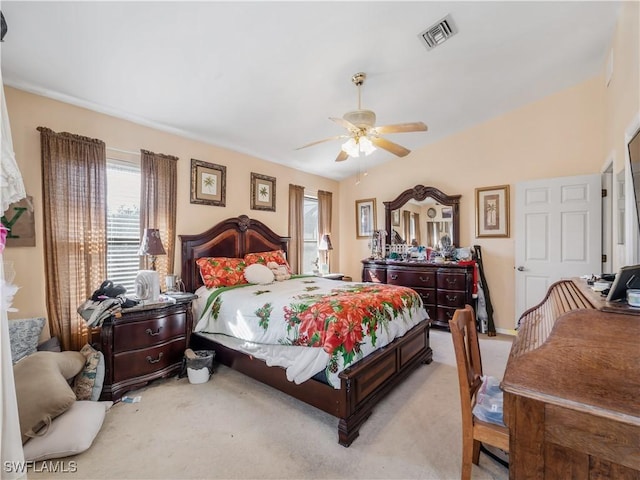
(395, 218)
(208, 183)
(365, 217)
(492, 211)
(263, 192)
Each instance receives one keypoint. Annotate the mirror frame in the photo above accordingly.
(419, 193)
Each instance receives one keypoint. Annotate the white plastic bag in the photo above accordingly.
(489, 402)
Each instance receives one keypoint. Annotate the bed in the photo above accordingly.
(361, 385)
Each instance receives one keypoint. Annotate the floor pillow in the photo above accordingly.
(42, 390)
(71, 433)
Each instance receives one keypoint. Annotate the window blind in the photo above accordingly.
(123, 222)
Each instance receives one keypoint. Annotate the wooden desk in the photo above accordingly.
(572, 393)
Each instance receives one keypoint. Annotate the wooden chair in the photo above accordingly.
(474, 431)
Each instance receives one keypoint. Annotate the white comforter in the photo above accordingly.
(308, 324)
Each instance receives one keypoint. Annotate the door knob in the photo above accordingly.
(521, 268)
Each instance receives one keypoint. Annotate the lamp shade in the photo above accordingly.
(151, 243)
(325, 242)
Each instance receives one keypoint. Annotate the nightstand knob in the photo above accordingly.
(152, 333)
(154, 360)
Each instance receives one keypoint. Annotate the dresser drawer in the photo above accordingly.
(432, 311)
(428, 295)
(452, 280)
(375, 275)
(147, 361)
(451, 298)
(411, 278)
(444, 314)
(141, 334)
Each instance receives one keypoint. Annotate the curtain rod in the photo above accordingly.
(113, 149)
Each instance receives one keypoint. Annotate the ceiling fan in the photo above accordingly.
(363, 136)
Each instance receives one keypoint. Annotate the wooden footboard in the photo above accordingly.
(363, 385)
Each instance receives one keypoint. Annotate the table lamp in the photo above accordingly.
(151, 245)
(325, 246)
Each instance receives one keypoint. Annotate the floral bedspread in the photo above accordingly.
(343, 320)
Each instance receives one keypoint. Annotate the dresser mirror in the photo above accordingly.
(433, 212)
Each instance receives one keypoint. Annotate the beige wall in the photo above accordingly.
(28, 111)
(569, 133)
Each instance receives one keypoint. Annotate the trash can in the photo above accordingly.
(199, 365)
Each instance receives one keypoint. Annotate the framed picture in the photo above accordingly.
(365, 217)
(492, 211)
(447, 212)
(263, 192)
(20, 223)
(395, 218)
(208, 183)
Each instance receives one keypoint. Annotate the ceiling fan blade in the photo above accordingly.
(394, 148)
(323, 140)
(342, 156)
(344, 123)
(401, 128)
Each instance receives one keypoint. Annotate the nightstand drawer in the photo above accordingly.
(411, 278)
(134, 335)
(148, 361)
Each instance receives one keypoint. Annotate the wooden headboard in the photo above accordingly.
(234, 238)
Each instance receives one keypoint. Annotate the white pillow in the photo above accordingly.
(70, 433)
(258, 273)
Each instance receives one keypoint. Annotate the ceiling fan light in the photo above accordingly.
(351, 148)
(366, 146)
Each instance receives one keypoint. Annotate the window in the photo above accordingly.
(310, 249)
(123, 222)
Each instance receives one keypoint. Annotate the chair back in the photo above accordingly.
(468, 360)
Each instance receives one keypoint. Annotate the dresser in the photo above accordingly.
(572, 388)
(143, 343)
(443, 287)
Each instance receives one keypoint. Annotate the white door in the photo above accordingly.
(558, 234)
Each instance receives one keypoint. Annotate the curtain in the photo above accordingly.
(324, 218)
(74, 172)
(74, 178)
(417, 224)
(296, 227)
(11, 190)
(406, 225)
(158, 200)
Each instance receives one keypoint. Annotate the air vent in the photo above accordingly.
(438, 33)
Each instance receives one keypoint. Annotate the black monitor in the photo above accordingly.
(627, 277)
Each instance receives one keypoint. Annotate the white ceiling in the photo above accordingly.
(263, 77)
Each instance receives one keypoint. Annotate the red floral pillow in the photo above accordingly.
(221, 271)
(277, 256)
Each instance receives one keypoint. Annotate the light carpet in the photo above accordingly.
(233, 427)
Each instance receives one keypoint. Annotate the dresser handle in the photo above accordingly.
(450, 281)
(151, 360)
(393, 277)
(152, 333)
(449, 314)
(425, 280)
(452, 299)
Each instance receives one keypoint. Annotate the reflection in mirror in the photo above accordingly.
(424, 214)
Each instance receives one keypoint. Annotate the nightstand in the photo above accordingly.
(144, 343)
